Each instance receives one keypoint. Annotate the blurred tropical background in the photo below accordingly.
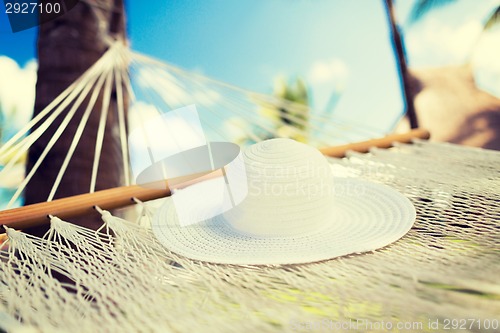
(370, 67)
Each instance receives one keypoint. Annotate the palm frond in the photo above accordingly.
(422, 7)
(493, 20)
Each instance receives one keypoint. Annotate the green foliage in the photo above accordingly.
(290, 114)
(493, 19)
(422, 7)
(284, 115)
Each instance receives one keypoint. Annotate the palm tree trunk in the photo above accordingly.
(409, 88)
(67, 46)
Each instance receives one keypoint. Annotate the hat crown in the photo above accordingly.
(290, 190)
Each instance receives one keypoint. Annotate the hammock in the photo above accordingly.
(227, 113)
(446, 268)
(120, 278)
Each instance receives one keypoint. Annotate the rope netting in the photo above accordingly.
(152, 88)
(121, 279)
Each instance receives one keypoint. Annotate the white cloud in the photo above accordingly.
(437, 44)
(208, 97)
(168, 87)
(17, 91)
(17, 98)
(453, 35)
(141, 112)
(162, 134)
(329, 71)
(237, 129)
(486, 62)
(327, 78)
(177, 91)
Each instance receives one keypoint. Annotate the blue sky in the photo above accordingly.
(250, 43)
(335, 45)
(255, 38)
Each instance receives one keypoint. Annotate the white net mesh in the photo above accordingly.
(447, 267)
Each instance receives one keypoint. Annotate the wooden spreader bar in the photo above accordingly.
(79, 205)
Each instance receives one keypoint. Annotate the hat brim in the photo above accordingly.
(367, 216)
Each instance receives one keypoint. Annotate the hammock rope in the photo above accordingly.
(101, 130)
(121, 278)
(53, 140)
(160, 86)
(238, 105)
(68, 95)
(122, 125)
(78, 135)
(114, 70)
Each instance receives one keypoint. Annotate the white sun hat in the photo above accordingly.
(295, 211)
